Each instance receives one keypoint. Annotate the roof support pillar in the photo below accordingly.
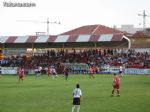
(95, 44)
(129, 42)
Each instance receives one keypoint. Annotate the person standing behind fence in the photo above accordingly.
(77, 94)
(108, 68)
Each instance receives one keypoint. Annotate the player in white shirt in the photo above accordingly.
(39, 71)
(121, 70)
(54, 72)
(76, 98)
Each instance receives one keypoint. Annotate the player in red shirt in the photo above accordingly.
(116, 84)
(21, 74)
(49, 71)
(91, 72)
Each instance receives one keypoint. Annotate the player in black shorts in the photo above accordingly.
(76, 98)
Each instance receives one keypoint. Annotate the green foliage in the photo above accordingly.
(44, 94)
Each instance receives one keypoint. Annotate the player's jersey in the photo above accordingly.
(66, 71)
(49, 70)
(40, 68)
(21, 73)
(120, 69)
(116, 80)
(77, 93)
(91, 70)
(54, 71)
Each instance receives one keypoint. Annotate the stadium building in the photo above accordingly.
(86, 36)
(95, 45)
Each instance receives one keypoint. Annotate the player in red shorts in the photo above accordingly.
(116, 84)
(49, 71)
(21, 74)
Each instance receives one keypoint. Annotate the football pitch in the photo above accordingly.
(44, 94)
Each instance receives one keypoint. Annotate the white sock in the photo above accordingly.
(73, 108)
(78, 108)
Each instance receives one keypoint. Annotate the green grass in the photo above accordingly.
(43, 94)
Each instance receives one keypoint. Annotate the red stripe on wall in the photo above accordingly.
(11, 39)
(72, 38)
(51, 39)
(31, 39)
(117, 37)
(94, 38)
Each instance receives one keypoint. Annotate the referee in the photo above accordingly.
(76, 98)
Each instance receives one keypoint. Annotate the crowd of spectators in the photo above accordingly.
(129, 58)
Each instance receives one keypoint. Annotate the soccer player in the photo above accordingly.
(54, 72)
(91, 72)
(66, 72)
(39, 71)
(49, 71)
(116, 84)
(77, 94)
(21, 74)
(121, 70)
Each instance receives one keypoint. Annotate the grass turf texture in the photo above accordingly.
(43, 94)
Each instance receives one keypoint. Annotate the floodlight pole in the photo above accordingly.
(48, 22)
(144, 15)
(47, 26)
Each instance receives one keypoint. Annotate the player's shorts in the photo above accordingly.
(20, 76)
(54, 73)
(49, 73)
(116, 86)
(66, 74)
(76, 101)
(120, 72)
(91, 74)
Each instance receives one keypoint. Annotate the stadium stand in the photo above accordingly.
(95, 57)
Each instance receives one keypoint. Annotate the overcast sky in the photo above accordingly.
(71, 14)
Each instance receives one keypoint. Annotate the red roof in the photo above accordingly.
(140, 40)
(140, 35)
(92, 29)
